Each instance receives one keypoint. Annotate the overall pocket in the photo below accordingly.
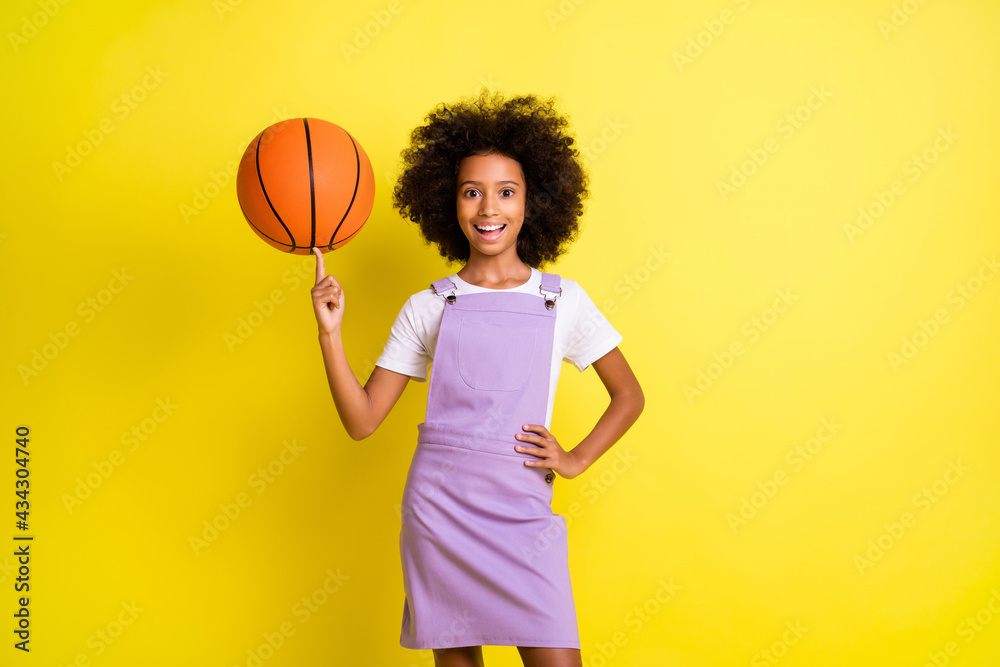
(494, 357)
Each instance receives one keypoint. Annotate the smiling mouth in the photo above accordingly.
(490, 231)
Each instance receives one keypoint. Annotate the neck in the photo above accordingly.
(495, 272)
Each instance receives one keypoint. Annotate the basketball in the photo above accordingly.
(305, 182)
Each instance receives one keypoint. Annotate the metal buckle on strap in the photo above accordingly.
(550, 302)
(449, 297)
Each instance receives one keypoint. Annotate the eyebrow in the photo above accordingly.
(498, 183)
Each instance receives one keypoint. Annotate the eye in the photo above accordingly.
(471, 192)
(507, 192)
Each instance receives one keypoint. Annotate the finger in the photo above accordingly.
(327, 283)
(324, 290)
(320, 265)
(327, 296)
(536, 428)
(531, 437)
(533, 451)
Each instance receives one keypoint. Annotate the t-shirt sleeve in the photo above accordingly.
(405, 351)
(592, 336)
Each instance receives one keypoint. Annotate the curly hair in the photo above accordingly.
(524, 128)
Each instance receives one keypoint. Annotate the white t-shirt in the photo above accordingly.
(582, 334)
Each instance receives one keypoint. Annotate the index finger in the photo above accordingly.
(320, 265)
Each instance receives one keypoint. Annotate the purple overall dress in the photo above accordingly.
(484, 558)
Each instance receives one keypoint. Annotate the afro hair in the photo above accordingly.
(524, 128)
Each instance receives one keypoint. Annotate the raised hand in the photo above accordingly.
(327, 298)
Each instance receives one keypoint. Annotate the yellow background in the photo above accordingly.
(668, 100)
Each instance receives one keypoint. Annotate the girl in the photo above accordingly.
(497, 185)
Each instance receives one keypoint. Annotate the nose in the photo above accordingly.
(488, 206)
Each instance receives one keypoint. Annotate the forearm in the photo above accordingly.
(623, 410)
(353, 403)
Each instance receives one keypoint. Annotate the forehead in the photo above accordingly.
(491, 167)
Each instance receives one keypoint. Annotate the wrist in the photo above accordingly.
(329, 338)
(580, 460)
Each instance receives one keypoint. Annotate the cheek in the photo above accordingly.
(462, 208)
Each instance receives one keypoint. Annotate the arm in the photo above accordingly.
(361, 409)
(624, 408)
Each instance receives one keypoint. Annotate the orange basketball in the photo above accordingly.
(305, 182)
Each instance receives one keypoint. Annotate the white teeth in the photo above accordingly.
(488, 228)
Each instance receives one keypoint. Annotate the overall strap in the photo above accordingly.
(441, 287)
(550, 289)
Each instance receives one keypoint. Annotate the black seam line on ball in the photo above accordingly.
(312, 184)
(357, 182)
(258, 229)
(260, 179)
(343, 239)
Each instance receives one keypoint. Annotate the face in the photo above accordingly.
(490, 204)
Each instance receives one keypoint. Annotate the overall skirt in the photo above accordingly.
(484, 558)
